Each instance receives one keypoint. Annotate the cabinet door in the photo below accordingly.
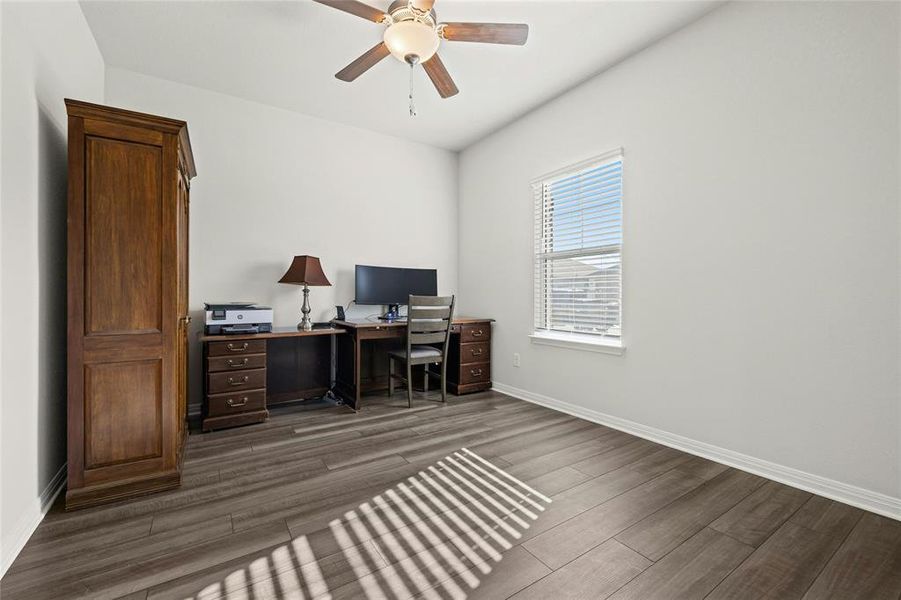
(123, 328)
(182, 366)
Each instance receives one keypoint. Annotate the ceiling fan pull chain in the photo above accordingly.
(412, 106)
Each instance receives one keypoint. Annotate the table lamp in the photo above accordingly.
(305, 270)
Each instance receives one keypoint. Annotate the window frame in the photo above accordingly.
(565, 339)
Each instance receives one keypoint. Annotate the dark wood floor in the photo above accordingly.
(386, 503)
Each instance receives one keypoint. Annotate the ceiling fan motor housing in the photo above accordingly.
(401, 10)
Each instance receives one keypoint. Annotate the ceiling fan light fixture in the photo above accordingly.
(407, 39)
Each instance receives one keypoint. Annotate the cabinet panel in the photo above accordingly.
(123, 237)
(182, 299)
(123, 412)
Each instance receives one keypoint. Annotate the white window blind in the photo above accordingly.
(578, 249)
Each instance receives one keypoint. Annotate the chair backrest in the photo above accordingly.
(429, 319)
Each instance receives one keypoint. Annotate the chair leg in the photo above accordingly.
(390, 376)
(444, 381)
(425, 378)
(409, 385)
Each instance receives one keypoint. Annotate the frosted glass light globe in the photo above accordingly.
(407, 38)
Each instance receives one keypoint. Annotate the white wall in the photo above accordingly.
(761, 238)
(48, 53)
(272, 184)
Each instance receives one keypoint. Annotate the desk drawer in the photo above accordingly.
(220, 405)
(475, 333)
(238, 380)
(475, 373)
(378, 333)
(224, 348)
(475, 352)
(234, 363)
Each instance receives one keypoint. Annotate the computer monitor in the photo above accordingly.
(393, 285)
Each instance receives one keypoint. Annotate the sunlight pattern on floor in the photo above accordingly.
(434, 536)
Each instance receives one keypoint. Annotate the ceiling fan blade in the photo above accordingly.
(423, 5)
(356, 8)
(487, 33)
(440, 77)
(363, 63)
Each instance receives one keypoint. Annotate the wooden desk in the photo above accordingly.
(245, 374)
(361, 366)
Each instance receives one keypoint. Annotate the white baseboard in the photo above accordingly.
(876, 502)
(23, 529)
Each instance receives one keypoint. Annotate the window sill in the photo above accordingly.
(578, 342)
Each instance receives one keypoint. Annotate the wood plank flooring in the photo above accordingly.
(485, 497)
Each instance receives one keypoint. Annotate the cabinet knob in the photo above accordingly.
(232, 402)
(236, 348)
(243, 380)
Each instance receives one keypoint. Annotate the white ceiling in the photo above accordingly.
(285, 54)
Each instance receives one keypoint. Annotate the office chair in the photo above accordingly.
(429, 320)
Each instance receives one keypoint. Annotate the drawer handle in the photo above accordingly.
(231, 401)
(245, 379)
(234, 348)
(243, 363)
(478, 352)
(477, 333)
(475, 372)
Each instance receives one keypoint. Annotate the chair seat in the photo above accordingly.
(417, 353)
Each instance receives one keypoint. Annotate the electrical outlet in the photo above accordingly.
(516, 359)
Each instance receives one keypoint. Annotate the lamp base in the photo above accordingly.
(305, 324)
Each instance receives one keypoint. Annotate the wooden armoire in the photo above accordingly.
(129, 176)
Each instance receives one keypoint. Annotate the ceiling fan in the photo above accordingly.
(413, 35)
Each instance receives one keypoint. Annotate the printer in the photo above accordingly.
(224, 318)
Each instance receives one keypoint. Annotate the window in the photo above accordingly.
(578, 252)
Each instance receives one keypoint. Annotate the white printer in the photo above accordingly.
(237, 317)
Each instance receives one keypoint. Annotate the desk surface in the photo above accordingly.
(277, 332)
(366, 323)
(340, 327)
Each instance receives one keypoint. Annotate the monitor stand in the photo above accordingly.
(393, 313)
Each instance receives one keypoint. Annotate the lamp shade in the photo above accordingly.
(305, 270)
